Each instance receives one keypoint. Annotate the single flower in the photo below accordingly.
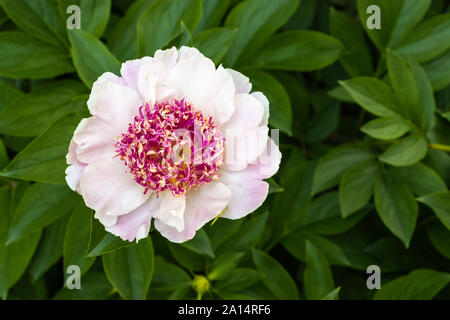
(174, 139)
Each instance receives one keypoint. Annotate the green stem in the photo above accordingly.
(439, 146)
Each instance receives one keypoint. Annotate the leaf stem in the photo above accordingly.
(439, 146)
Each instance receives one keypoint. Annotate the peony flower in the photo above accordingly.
(176, 140)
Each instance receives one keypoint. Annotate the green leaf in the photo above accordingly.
(440, 238)
(413, 90)
(333, 295)
(317, 276)
(14, 258)
(438, 71)
(76, 240)
(280, 105)
(50, 248)
(91, 57)
(222, 230)
(439, 202)
(200, 244)
(39, 19)
(4, 159)
(356, 58)
(224, 264)
(396, 207)
(213, 12)
(373, 95)
(428, 40)
(297, 51)
(95, 286)
(275, 277)
(356, 186)
(123, 39)
(25, 57)
(169, 277)
(214, 43)
(130, 269)
(8, 94)
(274, 187)
(31, 114)
(420, 284)
(238, 279)
(331, 166)
(40, 206)
(405, 152)
(252, 32)
(160, 23)
(386, 128)
(94, 14)
(43, 159)
(192, 261)
(102, 242)
(398, 18)
(421, 179)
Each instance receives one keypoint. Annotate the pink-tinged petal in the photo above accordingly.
(202, 205)
(130, 71)
(211, 91)
(268, 162)
(94, 139)
(108, 77)
(248, 193)
(171, 211)
(136, 224)
(75, 169)
(107, 187)
(241, 82)
(248, 113)
(114, 104)
(106, 219)
(243, 147)
(265, 102)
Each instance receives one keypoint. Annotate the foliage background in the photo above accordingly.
(364, 119)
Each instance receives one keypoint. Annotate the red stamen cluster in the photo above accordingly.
(171, 147)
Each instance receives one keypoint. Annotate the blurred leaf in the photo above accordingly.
(14, 258)
(94, 14)
(123, 40)
(169, 277)
(356, 58)
(4, 159)
(192, 261)
(130, 269)
(418, 285)
(373, 95)
(31, 114)
(386, 128)
(39, 19)
(396, 206)
(297, 51)
(91, 57)
(8, 94)
(317, 276)
(252, 32)
(438, 71)
(421, 179)
(76, 240)
(276, 278)
(238, 279)
(43, 159)
(222, 230)
(95, 286)
(356, 186)
(405, 152)
(439, 202)
(331, 166)
(50, 249)
(40, 206)
(274, 187)
(200, 244)
(213, 12)
(25, 57)
(214, 43)
(440, 238)
(224, 264)
(280, 105)
(161, 23)
(333, 295)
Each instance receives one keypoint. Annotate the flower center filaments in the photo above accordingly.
(171, 147)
